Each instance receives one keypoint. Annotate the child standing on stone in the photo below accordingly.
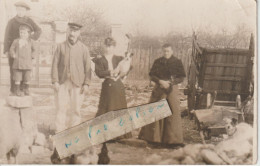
(23, 51)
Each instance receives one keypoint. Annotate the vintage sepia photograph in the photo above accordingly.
(128, 82)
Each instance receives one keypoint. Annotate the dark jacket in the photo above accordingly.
(112, 96)
(164, 69)
(101, 65)
(24, 55)
(167, 130)
(12, 31)
(73, 59)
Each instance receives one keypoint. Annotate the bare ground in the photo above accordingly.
(132, 152)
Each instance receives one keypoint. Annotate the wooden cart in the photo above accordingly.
(218, 80)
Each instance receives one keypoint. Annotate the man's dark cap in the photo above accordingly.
(109, 41)
(26, 26)
(22, 4)
(74, 26)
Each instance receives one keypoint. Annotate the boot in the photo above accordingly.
(26, 90)
(12, 92)
(17, 90)
(103, 157)
(22, 86)
(12, 89)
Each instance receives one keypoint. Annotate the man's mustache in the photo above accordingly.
(72, 36)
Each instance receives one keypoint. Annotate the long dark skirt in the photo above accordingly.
(112, 98)
(168, 130)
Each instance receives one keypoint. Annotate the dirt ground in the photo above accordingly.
(133, 151)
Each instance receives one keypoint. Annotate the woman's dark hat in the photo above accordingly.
(22, 4)
(110, 42)
(75, 26)
(24, 25)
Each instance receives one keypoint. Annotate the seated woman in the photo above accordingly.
(112, 95)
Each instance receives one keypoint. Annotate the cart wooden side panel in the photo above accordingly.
(226, 71)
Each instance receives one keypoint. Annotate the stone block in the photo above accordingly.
(19, 101)
(3, 160)
(177, 154)
(188, 161)
(40, 139)
(38, 149)
(10, 129)
(153, 159)
(210, 157)
(27, 139)
(29, 125)
(29, 120)
(192, 150)
(49, 144)
(24, 149)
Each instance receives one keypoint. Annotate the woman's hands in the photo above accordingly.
(164, 84)
(114, 73)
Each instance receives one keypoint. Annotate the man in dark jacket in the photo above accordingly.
(12, 33)
(70, 75)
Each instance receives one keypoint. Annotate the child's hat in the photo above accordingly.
(24, 25)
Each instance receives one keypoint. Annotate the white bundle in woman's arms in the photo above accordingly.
(124, 66)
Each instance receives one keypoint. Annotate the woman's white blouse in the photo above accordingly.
(109, 60)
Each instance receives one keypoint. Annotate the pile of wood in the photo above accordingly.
(237, 149)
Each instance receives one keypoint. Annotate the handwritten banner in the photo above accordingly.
(108, 126)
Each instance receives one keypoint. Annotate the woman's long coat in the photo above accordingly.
(168, 130)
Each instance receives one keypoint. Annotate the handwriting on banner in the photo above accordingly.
(120, 123)
(108, 126)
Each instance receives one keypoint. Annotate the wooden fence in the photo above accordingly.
(144, 57)
(142, 62)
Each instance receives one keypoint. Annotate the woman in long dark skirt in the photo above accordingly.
(167, 72)
(112, 97)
